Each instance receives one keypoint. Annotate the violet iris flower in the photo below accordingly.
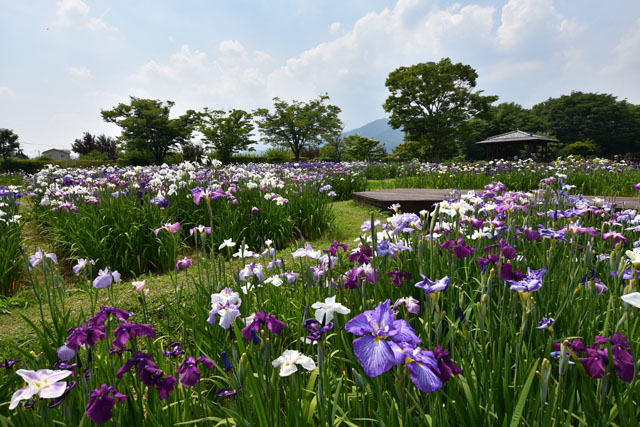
(316, 329)
(200, 229)
(84, 334)
(531, 282)
(128, 330)
(105, 278)
(190, 373)
(430, 286)
(183, 263)
(149, 373)
(39, 256)
(410, 303)
(171, 228)
(545, 323)
(333, 249)
(105, 311)
(398, 276)
(380, 338)
(273, 324)
(176, 350)
(226, 363)
(101, 403)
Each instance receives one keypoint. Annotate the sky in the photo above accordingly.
(65, 61)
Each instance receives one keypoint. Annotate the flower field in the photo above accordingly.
(515, 305)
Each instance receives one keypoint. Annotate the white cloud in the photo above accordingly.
(230, 47)
(76, 13)
(80, 72)
(6, 91)
(334, 28)
(529, 20)
(626, 51)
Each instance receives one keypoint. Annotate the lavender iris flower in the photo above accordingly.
(380, 338)
(105, 278)
(532, 281)
(430, 286)
(128, 330)
(545, 323)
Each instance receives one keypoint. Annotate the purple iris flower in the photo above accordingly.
(316, 329)
(352, 278)
(40, 256)
(423, 368)
(545, 322)
(58, 400)
(380, 338)
(508, 273)
(361, 254)
(430, 286)
(101, 403)
(161, 201)
(636, 186)
(398, 276)
(149, 373)
(223, 392)
(622, 358)
(190, 375)
(531, 282)
(446, 367)
(105, 311)
(531, 234)
(84, 334)
(183, 263)
(65, 353)
(273, 324)
(105, 278)
(171, 228)
(8, 363)
(410, 303)
(128, 330)
(333, 249)
(176, 350)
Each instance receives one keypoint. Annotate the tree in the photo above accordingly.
(410, 150)
(192, 152)
(226, 133)
(334, 148)
(147, 128)
(102, 144)
(614, 126)
(299, 124)
(432, 101)
(361, 148)
(9, 144)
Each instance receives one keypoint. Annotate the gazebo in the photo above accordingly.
(500, 145)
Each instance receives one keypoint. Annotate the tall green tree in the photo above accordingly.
(361, 148)
(334, 148)
(147, 128)
(432, 101)
(227, 133)
(614, 126)
(9, 144)
(101, 143)
(299, 124)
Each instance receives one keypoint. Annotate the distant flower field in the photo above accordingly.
(515, 305)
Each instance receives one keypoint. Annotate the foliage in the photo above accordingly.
(361, 148)
(101, 143)
(147, 128)
(192, 152)
(11, 259)
(9, 144)
(227, 133)
(612, 125)
(410, 150)
(581, 148)
(334, 148)
(299, 124)
(432, 101)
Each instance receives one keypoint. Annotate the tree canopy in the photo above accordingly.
(101, 143)
(361, 148)
(227, 133)
(432, 101)
(147, 128)
(9, 144)
(299, 124)
(612, 125)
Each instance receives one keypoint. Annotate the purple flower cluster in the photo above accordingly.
(261, 318)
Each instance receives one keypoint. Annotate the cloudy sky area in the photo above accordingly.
(64, 61)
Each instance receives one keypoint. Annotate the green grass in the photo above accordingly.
(345, 228)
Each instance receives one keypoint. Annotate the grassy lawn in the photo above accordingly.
(16, 331)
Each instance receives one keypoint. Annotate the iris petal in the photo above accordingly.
(375, 354)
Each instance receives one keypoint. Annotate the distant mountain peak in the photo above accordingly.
(380, 131)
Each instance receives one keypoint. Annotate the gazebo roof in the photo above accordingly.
(519, 137)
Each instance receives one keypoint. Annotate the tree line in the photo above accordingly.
(435, 104)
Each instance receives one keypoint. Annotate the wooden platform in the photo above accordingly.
(416, 199)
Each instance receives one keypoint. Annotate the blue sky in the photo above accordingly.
(64, 61)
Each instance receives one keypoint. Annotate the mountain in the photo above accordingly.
(380, 131)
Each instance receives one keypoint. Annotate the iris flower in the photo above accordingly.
(190, 375)
(105, 278)
(326, 309)
(39, 256)
(44, 382)
(101, 403)
(171, 228)
(430, 286)
(289, 360)
(531, 282)
(380, 338)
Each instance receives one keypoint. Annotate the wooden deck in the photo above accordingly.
(416, 199)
